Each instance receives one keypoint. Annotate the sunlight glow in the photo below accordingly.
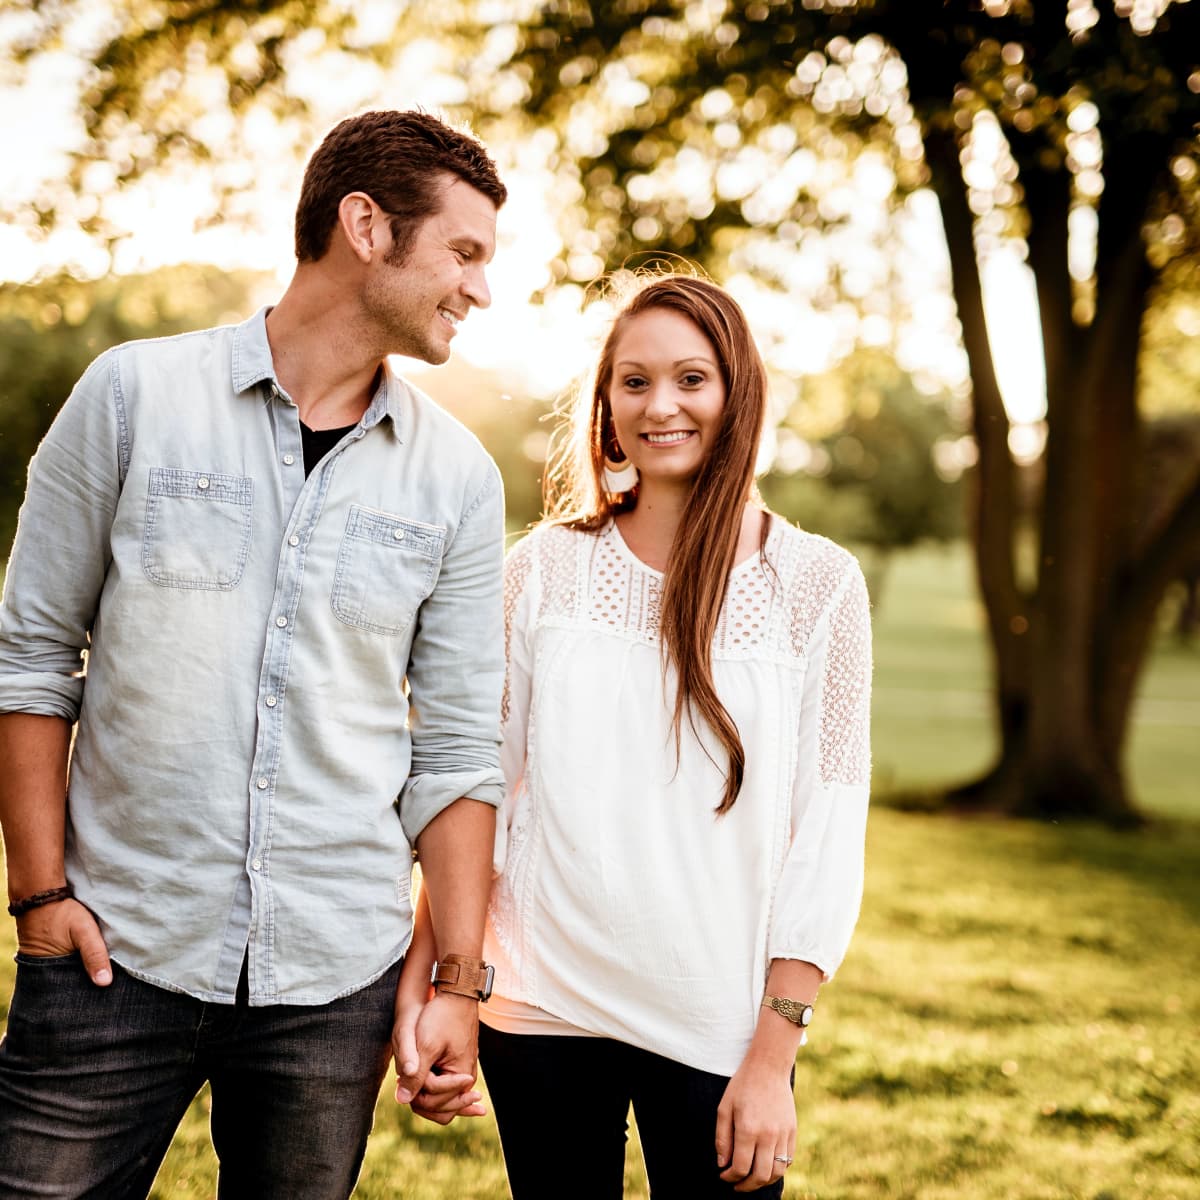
(832, 289)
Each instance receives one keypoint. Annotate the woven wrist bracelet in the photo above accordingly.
(19, 907)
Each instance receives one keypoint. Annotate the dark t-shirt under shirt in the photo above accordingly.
(318, 442)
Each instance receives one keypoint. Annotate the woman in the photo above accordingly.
(686, 749)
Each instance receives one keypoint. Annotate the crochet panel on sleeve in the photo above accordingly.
(845, 755)
(517, 568)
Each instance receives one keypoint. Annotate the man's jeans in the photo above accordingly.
(94, 1081)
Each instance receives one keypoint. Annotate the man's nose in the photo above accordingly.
(476, 289)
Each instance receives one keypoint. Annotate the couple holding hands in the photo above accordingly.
(632, 759)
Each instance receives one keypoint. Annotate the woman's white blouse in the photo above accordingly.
(623, 904)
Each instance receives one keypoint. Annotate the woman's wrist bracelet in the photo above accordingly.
(19, 908)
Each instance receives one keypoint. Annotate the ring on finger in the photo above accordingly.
(787, 1162)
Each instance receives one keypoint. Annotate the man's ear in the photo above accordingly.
(361, 220)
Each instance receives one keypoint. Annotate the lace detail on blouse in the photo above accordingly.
(623, 596)
(845, 755)
(502, 910)
(516, 572)
(559, 570)
(802, 586)
(774, 602)
(626, 596)
(811, 589)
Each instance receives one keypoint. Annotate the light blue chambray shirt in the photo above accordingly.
(247, 771)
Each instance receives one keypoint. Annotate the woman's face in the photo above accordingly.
(667, 395)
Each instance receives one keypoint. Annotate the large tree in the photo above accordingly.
(1025, 118)
(1097, 105)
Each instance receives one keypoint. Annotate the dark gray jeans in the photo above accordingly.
(94, 1081)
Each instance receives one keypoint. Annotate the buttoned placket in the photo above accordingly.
(303, 499)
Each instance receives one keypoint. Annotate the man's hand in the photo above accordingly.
(62, 928)
(756, 1126)
(435, 1045)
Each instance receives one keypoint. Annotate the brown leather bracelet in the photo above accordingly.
(18, 908)
(461, 975)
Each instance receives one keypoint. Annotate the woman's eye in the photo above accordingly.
(633, 382)
(693, 379)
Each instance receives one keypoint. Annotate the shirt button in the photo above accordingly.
(288, 459)
(293, 540)
(398, 534)
(262, 785)
(271, 702)
(257, 864)
(281, 622)
(202, 483)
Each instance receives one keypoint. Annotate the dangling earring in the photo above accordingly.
(619, 476)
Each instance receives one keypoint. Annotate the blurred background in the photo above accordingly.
(967, 235)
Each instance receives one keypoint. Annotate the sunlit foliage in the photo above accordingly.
(783, 143)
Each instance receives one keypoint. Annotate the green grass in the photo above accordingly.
(932, 721)
(1016, 1019)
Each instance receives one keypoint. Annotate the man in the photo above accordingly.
(269, 546)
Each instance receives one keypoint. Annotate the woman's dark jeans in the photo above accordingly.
(562, 1105)
(94, 1081)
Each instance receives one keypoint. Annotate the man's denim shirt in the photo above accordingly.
(247, 771)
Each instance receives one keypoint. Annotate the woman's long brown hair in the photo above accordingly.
(705, 545)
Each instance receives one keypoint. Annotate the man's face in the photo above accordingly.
(419, 300)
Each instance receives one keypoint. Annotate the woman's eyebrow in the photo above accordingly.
(698, 358)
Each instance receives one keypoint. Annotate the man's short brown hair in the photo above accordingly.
(400, 159)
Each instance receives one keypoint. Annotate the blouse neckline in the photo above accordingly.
(739, 568)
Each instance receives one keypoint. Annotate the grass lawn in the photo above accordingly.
(932, 715)
(1017, 1016)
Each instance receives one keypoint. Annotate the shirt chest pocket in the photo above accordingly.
(198, 527)
(386, 566)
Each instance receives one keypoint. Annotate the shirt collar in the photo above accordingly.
(392, 400)
(252, 353)
(252, 364)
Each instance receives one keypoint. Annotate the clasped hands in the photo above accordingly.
(435, 1042)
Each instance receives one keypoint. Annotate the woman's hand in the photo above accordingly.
(434, 1046)
(756, 1125)
(756, 1120)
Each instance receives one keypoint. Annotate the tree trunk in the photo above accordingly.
(1065, 771)
(993, 497)
(1062, 701)
(1067, 657)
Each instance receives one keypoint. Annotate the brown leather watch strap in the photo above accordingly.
(463, 976)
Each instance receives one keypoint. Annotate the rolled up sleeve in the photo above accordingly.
(62, 550)
(456, 670)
